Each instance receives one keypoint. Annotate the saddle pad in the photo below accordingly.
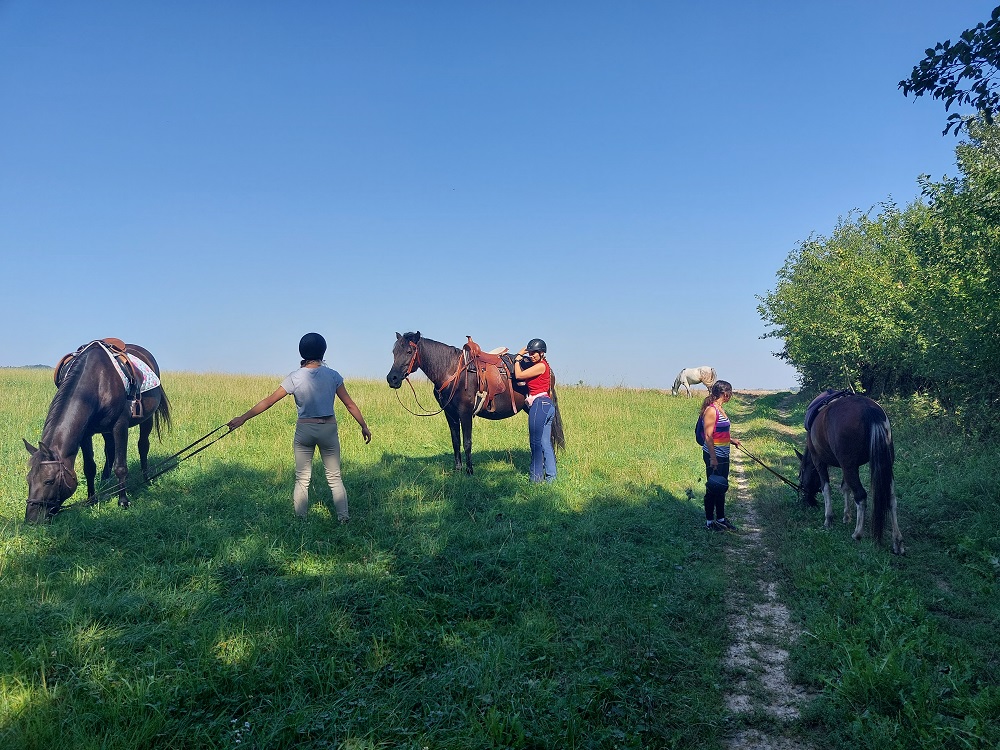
(149, 379)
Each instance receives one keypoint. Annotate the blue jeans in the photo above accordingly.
(543, 457)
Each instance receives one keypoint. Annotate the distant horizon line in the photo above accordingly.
(791, 388)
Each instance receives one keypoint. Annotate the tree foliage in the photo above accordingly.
(963, 73)
(901, 301)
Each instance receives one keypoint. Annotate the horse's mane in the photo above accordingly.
(72, 373)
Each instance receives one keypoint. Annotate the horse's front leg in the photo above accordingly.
(89, 464)
(824, 475)
(467, 439)
(121, 464)
(453, 425)
(145, 428)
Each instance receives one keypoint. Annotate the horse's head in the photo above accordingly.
(405, 358)
(809, 481)
(50, 483)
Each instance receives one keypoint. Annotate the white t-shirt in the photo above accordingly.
(314, 389)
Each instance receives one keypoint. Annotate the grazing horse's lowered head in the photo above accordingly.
(51, 482)
(809, 479)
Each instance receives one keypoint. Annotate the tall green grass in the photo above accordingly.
(484, 611)
(453, 612)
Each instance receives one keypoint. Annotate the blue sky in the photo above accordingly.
(623, 179)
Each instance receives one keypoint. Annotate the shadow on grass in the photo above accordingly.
(454, 611)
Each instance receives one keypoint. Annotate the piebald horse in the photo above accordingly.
(848, 432)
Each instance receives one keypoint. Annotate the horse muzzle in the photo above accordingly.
(43, 508)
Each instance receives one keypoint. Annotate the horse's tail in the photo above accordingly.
(558, 436)
(162, 414)
(883, 455)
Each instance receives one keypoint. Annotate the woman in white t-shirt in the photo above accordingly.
(315, 388)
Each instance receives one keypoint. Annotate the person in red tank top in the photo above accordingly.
(532, 367)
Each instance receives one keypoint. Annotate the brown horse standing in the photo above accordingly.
(848, 432)
(90, 399)
(455, 389)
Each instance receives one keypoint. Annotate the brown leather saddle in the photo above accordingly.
(494, 372)
(132, 375)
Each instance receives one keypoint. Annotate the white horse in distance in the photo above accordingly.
(692, 376)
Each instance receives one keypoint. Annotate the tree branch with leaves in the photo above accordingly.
(964, 73)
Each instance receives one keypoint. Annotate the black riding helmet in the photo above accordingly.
(536, 345)
(312, 346)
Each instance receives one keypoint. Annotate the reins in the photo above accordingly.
(160, 468)
(786, 480)
(415, 362)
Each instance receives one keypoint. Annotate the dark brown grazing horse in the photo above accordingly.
(848, 432)
(455, 387)
(91, 398)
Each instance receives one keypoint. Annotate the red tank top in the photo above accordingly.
(541, 382)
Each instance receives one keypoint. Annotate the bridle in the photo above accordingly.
(415, 363)
(54, 506)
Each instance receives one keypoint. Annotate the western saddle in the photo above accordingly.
(495, 374)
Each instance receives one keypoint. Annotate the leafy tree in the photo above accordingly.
(905, 301)
(960, 261)
(843, 305)
(963, 73)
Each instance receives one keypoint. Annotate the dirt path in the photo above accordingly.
(762, 633)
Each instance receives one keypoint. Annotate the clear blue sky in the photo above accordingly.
(214, 179)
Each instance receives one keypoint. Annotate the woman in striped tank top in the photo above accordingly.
(715, 452)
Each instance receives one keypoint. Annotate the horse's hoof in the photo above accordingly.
(898, 549)
(856, 537)
(828, 523)
(123, 503)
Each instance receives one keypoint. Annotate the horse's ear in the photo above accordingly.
(801, 457)
(416, 337)
(398, 336)
(29, 446)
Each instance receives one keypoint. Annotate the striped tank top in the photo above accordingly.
(721, 436)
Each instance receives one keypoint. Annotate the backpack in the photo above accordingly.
(699, 428)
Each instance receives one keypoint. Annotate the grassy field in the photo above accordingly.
(483, 611)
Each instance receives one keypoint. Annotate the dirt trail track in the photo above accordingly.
(761, 635)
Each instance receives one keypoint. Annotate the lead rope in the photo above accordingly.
(160, 468)
(787, 481)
